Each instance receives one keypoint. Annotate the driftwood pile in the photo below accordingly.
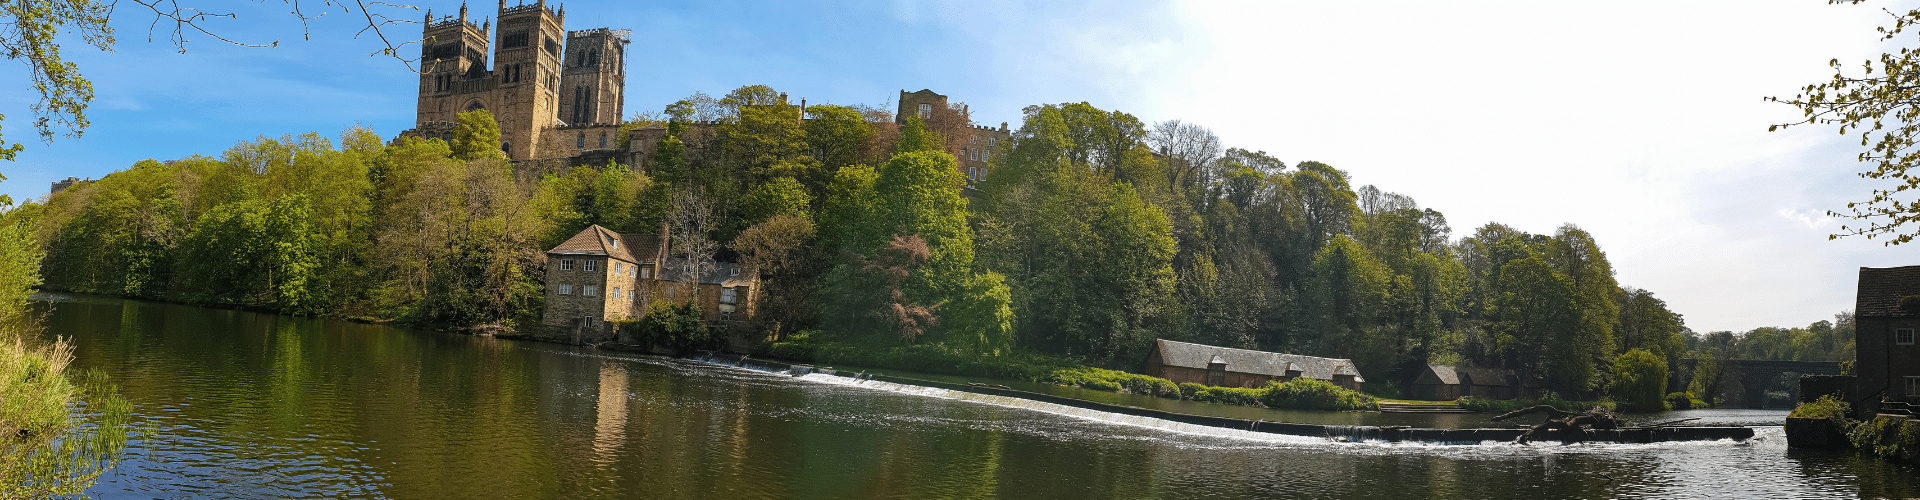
(1570, 427)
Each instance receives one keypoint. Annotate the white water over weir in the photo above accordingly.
(1210, 425)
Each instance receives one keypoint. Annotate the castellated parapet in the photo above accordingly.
(542, 78)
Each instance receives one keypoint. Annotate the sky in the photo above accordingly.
(1643, 123)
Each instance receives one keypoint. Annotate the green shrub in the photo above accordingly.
(1682, 401)
(1226, 395)
(1827, 407)
(1312, 394)
(1893, 438)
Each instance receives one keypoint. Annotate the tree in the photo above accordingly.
(1882, 107)
(35, 30)
(1640, 380)
(691, 222)
(783, 249)
(476, 136)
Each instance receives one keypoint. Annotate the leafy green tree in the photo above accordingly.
(839, 136)
(1347, 295)
(784, 250)
(475, 136)
(1881, 105)
(1534, 317)
(1640, 380)
(780, 196)
(914, 136)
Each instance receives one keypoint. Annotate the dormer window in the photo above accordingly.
(613, 242)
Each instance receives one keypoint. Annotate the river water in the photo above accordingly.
(247, 405)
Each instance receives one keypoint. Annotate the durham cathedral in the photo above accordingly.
(558, 94)
(555, 93)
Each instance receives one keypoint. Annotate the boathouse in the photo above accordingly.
(1449, 382)
(1183, 362)
(1886, 314)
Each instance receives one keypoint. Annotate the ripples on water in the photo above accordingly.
(243, 405)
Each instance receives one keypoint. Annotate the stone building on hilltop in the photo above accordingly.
(555, 93)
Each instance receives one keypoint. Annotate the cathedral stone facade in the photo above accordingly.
(555, 93)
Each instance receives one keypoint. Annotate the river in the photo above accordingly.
(248, 405)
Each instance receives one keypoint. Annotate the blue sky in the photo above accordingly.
(1641, 122)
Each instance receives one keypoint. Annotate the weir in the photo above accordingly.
(1146, 417)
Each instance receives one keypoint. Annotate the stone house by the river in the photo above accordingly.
(1448, 382)
(1886, 315)
(599, 277)
(1183, 362)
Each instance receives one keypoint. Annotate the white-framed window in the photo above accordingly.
(986, 155)
(993, 141)
(646, 272)
(566, 289)
(1903, 336)
(729, 296)
(616, 293)
(925, 110)
(1913, 386)
(973, 173)
(974, 153)
(566, 264)
(590, 265)
(589, 291)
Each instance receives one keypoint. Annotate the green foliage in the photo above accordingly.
(1313, 394)
(676, 326)
(1639, 379)
(476, 136)
(1114, 381)
(782, 195)
(1829, 407)
(1893, 438)
(915, 137)
(1879, 106)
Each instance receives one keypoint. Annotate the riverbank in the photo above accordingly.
(1828, 423)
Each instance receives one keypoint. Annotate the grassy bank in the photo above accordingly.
(1304, 394)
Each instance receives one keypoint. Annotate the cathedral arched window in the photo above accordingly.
(603, 140)
(580, 142)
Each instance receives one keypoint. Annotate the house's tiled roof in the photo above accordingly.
(596, 240)
(1189, 355)
(1882, 288)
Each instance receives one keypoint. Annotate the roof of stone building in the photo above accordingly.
(726, 274)
(1452, 375)
(1190, 355)
(1888, 292)
(596, 240)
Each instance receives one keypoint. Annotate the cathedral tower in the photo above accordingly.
(593, 85)
(528, 71)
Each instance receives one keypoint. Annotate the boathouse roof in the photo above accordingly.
(1190, 355)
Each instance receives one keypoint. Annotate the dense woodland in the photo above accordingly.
(1093, 234)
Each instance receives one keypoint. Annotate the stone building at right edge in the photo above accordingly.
(1886, 315)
